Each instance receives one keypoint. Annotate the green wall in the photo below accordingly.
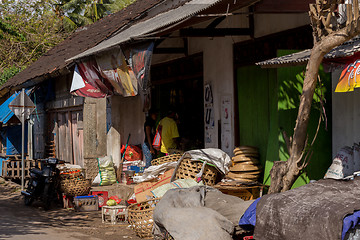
(268, 103)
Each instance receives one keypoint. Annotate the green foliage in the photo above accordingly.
(8, 73)
(28, 29)
(77, 13)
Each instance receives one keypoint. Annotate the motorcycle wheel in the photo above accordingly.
(47, 196)
(28, 200)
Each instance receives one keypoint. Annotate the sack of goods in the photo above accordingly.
(246, 165)
(343, 164)
(106, 170)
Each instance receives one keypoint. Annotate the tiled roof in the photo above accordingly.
(87, 37)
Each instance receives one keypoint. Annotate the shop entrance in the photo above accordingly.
(179, 85)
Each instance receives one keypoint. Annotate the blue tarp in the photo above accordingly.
(5, 112)
(13, 140)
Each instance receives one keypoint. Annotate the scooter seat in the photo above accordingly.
(36, 171)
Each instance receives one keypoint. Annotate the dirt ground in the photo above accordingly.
(18, 221)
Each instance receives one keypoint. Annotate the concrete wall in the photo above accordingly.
(95, 139)
(218, 57)
(345, 116)
(127, 118)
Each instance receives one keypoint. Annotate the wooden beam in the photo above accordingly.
(217, 32)
(170, 50)
(216, 22)
(283, 6)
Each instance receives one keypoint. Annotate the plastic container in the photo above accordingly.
(86, 203)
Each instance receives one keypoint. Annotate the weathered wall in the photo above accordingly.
(218, 58)
(345, 116)
(127, 118)
(95, 139)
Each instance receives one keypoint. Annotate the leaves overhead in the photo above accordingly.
(28, 29)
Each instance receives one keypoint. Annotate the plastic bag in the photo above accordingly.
(133, 153)
(107, 171)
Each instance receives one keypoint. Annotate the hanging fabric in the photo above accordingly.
(87, 82)
(349, 78)
(140, 61)
(114, 67)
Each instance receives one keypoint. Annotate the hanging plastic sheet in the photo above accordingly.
(114, 68)
(140, 61)
(349, 78)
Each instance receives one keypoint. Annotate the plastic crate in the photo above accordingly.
(86, 203)
(103, 197)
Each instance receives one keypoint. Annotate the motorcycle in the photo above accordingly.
(44, 183)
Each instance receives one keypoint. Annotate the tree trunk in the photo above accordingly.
(284, 174)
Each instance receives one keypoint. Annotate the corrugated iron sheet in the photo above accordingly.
(347, 49)
(189, 9)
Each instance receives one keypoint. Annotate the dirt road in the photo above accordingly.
(20, 222)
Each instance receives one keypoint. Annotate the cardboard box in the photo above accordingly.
(143, 190)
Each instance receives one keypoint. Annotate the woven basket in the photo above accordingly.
(188, 169)
(71, 173)
(140, 217)
(165, 159)
(75, 187)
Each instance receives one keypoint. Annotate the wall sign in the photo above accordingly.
(226, 129)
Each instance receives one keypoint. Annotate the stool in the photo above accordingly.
(114, 214)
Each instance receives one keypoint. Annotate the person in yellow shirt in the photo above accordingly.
(169, 132)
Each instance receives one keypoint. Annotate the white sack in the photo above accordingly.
(342, 165)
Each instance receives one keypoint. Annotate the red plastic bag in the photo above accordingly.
(157, 139)
(133, 153)
(116, 199)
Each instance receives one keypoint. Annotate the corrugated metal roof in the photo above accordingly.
(189, 9)
(347, 49)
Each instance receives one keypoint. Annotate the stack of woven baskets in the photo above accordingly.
(73, 182)
(246, 166)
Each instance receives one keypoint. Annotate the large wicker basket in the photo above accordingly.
(76, 186)
(188, 169)
(165, 159)
(71, 173)
(140, 217)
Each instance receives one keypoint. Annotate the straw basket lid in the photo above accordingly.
(244, 179)
(245, 167)
(246, 148)
(246, 151)
(249, 174)
(254, 163)
(245, 159)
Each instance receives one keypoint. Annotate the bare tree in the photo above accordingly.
(328, 33)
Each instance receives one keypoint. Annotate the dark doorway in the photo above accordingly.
(179, 85)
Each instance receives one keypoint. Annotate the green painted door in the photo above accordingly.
(268, 101)
(257, 103)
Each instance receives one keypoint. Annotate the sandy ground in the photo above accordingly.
(18, 221)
